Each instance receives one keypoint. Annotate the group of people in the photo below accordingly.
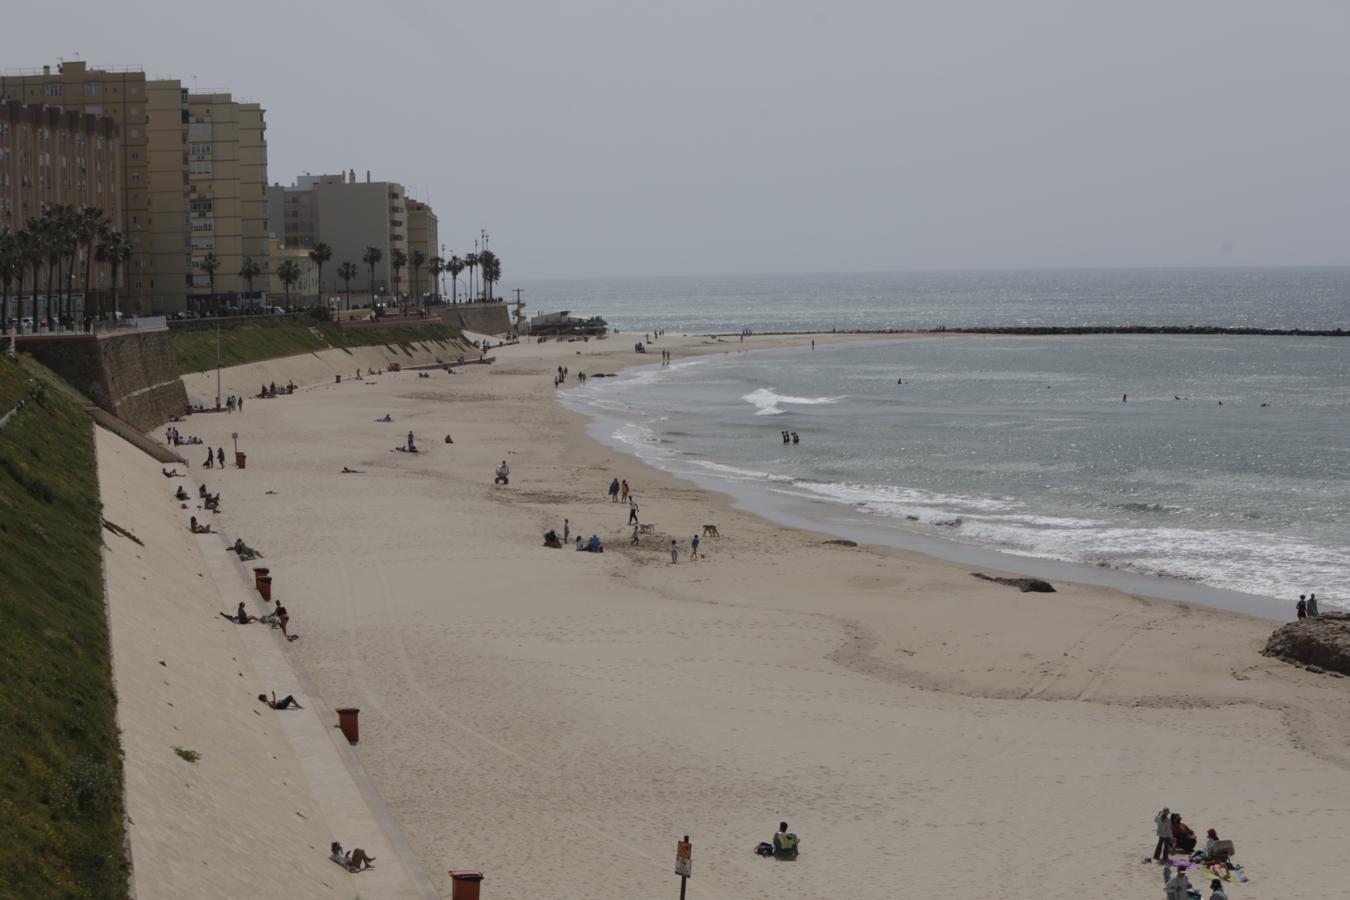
(215, 456)
(561, 376)
(233, 403)
(269, 391)
(790, 437)
(1306, 608)
(174, 438)
(1176, 837)
(665, 357)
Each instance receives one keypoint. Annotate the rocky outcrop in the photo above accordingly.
(1022, 584)
(1319, 645)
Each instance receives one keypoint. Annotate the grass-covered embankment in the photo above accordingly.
(196, 350)
(61, 830)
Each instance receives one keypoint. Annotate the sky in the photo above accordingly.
(635, 138)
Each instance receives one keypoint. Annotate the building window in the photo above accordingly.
(54, 90)
(136, 220)
(135, 154)
(135, 133)
(93, 89)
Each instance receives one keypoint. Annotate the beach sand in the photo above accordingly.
(559, 719)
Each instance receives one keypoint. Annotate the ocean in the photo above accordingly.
(1221, 461)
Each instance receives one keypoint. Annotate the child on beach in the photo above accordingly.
(674, 551)
(693, 547)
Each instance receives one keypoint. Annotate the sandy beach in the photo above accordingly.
(559, 719)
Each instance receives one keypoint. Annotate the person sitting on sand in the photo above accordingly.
(240, 618)
(198, 529)
(353, 861)
(1213, 855)
(244, 550)
(594, 545)
(784, 841)
(170, 473)
(579, 547)
(212, 503)
(387, 418)
(181, 494)
(503, 474)
(284, 703)
(1216, 890)
(551, 539)
(1183, 838)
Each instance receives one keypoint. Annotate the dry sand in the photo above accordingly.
(559, 719)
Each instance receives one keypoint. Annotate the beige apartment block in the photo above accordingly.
(194, 175)
(226, 192)
(55, 156)
(349, 216)
(423, 235)
(121, 94)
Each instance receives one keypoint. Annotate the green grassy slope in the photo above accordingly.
(196, 350)
(61, 833)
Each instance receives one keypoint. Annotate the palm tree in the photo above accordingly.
(319, 254)
(209, 264)
(9, 267)
(53, 251)
(471, 263)
(249, 271)
(492, 270)
(397, 260)
(89, 222)
(419, 259)
(347, 271)
(114, 250)
(289, 273)
(436, 265)
(372, 258)
(32, 255)
(454, 266)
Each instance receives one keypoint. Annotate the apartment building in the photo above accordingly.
(49, 156)
(226, 192)
(170, 180)
(120, 94)
(423, 234)
(349, 216)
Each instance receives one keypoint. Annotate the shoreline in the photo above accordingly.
(509, 690)
(791, 512)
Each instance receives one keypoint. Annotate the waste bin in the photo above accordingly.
(265, 587)
(258, 573)
(240, 458)
(347, 721)
(464, 884)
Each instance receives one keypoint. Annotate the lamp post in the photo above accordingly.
(217, 365)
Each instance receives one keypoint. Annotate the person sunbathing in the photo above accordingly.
(198, 529)
(170, 473)
(284, 703)
(244, 550)
(354, 861)
(347, 471)
(181, 494)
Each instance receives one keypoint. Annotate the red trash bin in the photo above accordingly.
(465, 884)
(258, 573)
(240, 458)
(265, 587)
(347, 721)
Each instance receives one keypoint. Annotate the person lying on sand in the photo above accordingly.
(170, 473)
(284, 703)
(348, 471)
(354, 861)
(244, 550)
(198, 529)
(387, 418)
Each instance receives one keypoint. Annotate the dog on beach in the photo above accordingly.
(710, 531)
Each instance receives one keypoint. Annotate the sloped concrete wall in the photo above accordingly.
(484, 318)
(131, 375)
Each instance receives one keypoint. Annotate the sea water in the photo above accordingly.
(1220, 460)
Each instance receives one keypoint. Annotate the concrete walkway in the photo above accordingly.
(354, 811)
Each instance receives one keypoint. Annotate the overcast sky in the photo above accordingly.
(625, 137)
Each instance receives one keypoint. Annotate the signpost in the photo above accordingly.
(684, 863)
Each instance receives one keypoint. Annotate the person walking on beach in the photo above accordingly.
(623, 491)
(614, 491)
(220, 456)
(693, 547)
(1162, 823)
(210, 464)
(567, 530)
(632, 511)
(674, 551)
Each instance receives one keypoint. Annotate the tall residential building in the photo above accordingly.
(423, 235)
(349, 216)
(226, 190)
(48, 156)
(121, 94)
(170, 179)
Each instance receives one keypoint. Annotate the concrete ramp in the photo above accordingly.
(133, 437)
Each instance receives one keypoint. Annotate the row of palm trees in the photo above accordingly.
(56, 244)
